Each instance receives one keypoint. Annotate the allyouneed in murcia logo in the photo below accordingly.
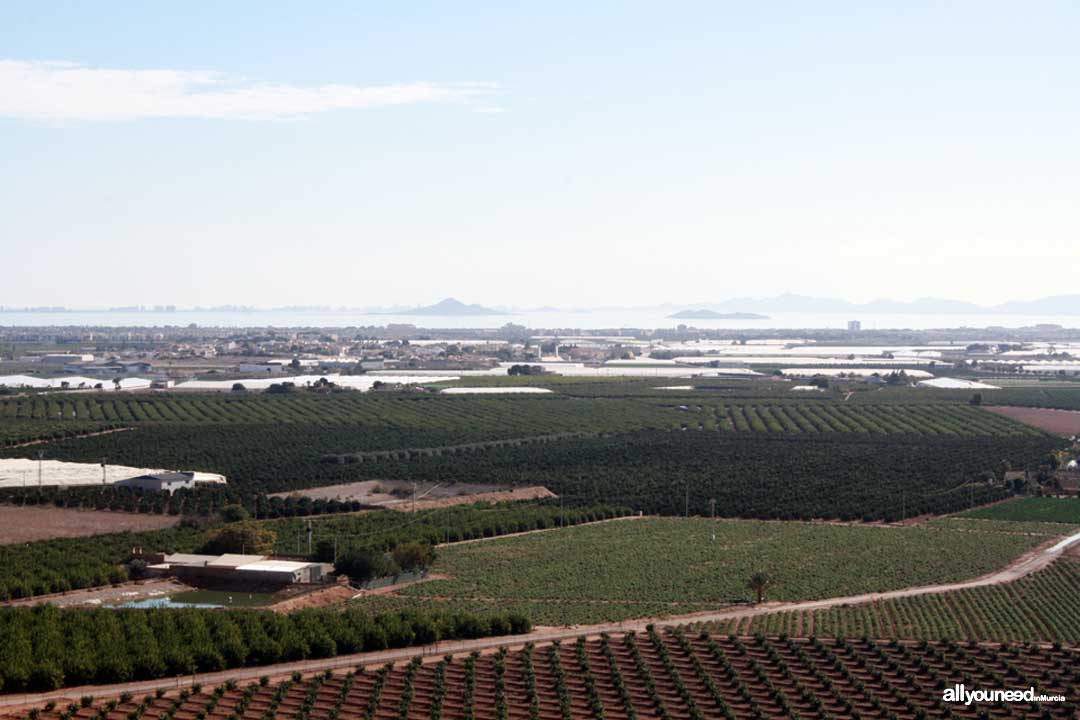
(960, 694)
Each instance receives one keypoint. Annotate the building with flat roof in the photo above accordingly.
(237, 569)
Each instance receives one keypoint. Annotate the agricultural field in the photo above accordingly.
(1040, 395)
(45, 648)
(60, 564)
(1059, 422)
(658, 673)
(1041, 607)
(24, 432)
(494, 416)
(520, 416)
(827, 417)
(841, 475)
(665, 566)
(382, 530)
(26, 524)
(1032, 509)
(794, 477)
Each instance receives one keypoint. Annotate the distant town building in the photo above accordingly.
(111, 369)
(273, 367)
(854, 325)
(64, 358)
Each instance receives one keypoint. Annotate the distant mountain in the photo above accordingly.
(450, 308)
(713, 315)
(1057, 305)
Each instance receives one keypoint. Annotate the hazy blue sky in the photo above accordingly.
(275, 153)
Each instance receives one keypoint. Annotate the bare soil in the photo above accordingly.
(323, 597)
(497, 496)
(25, 524)
(394, 492)
(1059, 422)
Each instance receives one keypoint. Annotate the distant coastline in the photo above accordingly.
(713, 315)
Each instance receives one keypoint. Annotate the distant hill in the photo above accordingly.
(450, 308)
(713, 315)
(1057, 305)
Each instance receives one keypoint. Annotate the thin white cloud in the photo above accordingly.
(65, 92)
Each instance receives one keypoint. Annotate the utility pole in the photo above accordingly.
(308, 537)
(712, 515)
(414, 497)
(40, 456)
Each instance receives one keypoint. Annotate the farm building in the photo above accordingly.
(170, 482)
(64, 358)
(236, 569)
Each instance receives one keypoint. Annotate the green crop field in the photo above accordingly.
(1042, 607)
(735, 410)
(840, 475)
(38, 431)
(1035, 509)
(62, 564)
(640, 567)
(506, 416)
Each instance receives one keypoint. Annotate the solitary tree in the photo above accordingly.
(760, 583)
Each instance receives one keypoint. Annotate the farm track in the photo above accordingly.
(1026, 564)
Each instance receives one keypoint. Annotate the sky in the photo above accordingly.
(560, 153)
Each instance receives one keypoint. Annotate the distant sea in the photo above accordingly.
(563, 320)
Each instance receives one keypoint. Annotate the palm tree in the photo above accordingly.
(759, 582)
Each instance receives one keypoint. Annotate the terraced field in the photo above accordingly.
(670, 675)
